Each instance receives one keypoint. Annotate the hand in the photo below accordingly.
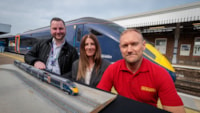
(39, 65)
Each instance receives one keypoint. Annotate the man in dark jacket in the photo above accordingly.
(54, 54)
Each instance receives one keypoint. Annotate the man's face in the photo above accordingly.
(132, 46)
(58, 30)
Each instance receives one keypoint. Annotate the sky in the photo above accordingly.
(25, 15)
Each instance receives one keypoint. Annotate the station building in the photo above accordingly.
(175, 31)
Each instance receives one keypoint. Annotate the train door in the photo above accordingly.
(78, 36)
(17, 43)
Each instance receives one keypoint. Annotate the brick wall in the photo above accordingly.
(188, 60)
(170, 43)
(184, 39)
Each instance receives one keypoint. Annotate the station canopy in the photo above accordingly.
(179, 14)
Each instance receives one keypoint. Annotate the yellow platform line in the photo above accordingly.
(13, 57)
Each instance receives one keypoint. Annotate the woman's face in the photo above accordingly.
(90, 47)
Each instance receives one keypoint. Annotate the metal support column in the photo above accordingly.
(176, 38)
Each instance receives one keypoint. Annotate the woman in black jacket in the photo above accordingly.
(90, 66)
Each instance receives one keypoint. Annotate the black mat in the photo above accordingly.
(124, 105)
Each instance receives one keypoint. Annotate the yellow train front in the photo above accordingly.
(156, 57)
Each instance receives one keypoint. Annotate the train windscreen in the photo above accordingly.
(115, 27)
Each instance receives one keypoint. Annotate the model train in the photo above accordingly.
(107, 32)
(62, 83)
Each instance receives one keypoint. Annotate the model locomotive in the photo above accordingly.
(62, 83)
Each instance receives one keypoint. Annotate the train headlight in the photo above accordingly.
(75, 90)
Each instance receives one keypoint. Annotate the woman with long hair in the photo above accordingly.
(89, 68)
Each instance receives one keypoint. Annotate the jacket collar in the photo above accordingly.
(143, 66)
(65, 46)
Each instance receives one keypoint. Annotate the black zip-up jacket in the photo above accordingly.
(41, 50)
(95, 76)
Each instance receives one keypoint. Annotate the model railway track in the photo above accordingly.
(188, 87)
(87, 100)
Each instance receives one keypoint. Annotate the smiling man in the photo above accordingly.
(53, 54)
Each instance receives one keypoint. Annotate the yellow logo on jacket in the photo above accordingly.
(148, 89)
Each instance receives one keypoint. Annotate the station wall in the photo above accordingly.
(188, 51)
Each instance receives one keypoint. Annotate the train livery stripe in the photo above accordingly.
(159, 58)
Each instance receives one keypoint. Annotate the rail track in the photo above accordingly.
(188, 81)
(188, 87)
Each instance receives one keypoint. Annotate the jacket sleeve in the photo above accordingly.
(74, 57)
(74, 70)
(96, 77)
(105, 64)
(32, 55)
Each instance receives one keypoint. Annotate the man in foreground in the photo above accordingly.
(139, 79)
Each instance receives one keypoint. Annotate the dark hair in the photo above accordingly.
(57, 19)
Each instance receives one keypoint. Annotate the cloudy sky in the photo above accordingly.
(24, 15)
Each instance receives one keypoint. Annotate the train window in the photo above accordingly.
(28, 42)
(34, 72)
(116, 27)
(79, 34)
(95, 32)
(55, 82)
(69, 82)
(149, 53)
(11, 43)
(2, 43)
(65, 86)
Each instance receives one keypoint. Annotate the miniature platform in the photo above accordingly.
(23, 93)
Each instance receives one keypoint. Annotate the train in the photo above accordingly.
(107, 32)
(55, 80)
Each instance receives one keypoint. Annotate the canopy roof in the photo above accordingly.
(185, 13)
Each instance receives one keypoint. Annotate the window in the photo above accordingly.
(185, 50)
(55, 82)
(28, 42)
(11, 43)
(149, 53)
(95, 32)
(79, 34)
(196, 49)
(161, 45)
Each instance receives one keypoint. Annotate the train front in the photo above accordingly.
(156, 57)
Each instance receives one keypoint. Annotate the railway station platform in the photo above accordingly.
(192, 103)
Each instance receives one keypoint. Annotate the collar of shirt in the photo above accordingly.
(143, 67)
(54, 43)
